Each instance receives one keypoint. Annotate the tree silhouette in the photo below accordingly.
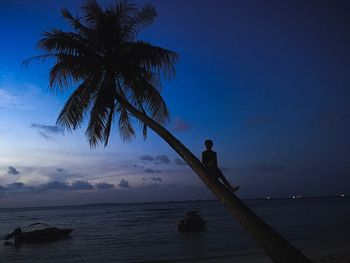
(118, 79)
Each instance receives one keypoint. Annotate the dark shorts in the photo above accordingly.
(215, 172)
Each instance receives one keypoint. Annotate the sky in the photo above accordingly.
(267, 81)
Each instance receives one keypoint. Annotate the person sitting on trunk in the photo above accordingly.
(209, 161)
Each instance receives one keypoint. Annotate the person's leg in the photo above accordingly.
(225, 182)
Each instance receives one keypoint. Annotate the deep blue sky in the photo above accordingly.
(268, 81)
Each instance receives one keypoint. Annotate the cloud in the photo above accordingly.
(45, 136)
(52, 186)
(179, 161)
(104, 186)
(60, 175)
(151, 171)
(16, 185)
(55, 185)
(138, 166)
(124, 183)
(12, 171)
(45, 130)
(161, 159)
(52, 129)
(81, 185)
(7, 100)
(180, 125)
(158, 179)
(147, 158)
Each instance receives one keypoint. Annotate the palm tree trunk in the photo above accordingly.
(275, 245)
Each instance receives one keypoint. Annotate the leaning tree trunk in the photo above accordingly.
(275, 245)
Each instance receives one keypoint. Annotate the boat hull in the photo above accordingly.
(44, 235)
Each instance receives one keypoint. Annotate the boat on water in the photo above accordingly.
(38, 232)
(192, 222)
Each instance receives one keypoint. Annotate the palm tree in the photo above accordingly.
(119, 78)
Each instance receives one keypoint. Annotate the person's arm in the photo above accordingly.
(204, 159)
(212, 160)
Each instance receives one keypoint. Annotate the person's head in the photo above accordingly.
(208, 144)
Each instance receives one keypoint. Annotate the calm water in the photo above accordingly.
(147, 232)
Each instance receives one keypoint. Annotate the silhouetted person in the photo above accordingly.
(210, 162)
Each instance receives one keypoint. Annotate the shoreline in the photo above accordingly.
(339, 254)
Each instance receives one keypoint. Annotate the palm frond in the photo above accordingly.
(92, 13)
(153, 57)
(126, 129)
(102, 55)
(58, 41)
(109, 123)
(69, 69)
(72, 114)
(139, 20)
(44, 57)
(76, 23)
(103, 105)
(154, 103)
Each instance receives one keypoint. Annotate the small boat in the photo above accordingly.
(38, 232)
(193, 222)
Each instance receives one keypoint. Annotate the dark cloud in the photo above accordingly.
(143, 179)
(81, 185)
(45, 136)
(179, 161)
(158, 179)
(161, 159)
(50, 186)
(61, 175)
(180, 125)
(124, 183)
(151, 171)
(54, 185)
(16, 185)
(45, 130)
(147, 158)
(12, 171)
(51, 129)
(104, 186)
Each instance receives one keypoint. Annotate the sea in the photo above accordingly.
(147, 232)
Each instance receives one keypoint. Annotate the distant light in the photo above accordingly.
(342, 195)
(293, 197)
(268, 197)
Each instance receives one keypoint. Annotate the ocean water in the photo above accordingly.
(148, 232)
